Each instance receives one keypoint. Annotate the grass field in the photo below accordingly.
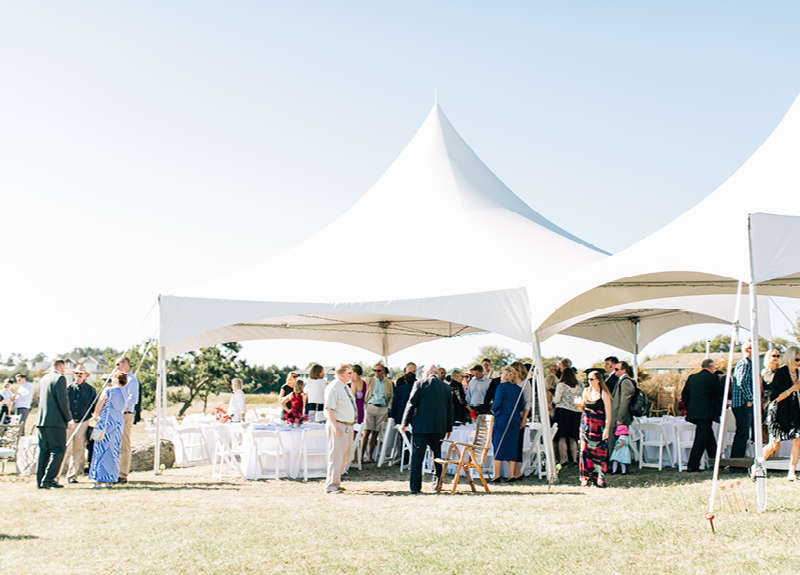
(185, 522)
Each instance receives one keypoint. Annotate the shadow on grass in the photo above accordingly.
(16, 537)
(157, 486)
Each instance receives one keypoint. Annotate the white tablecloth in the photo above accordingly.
(290, 439)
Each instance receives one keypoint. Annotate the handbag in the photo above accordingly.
(97, 433)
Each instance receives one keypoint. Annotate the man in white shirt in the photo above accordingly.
(340, 409)
(132, 389)
(236, 406)
(22, 399)
(476, 392)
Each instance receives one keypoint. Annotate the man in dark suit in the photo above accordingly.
(430, 413)
(54, 420)
(611, 381)
(702, 397)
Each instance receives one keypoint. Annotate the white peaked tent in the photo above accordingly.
(746, 231)
(437, 211)
(630, 327)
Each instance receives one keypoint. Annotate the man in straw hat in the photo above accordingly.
(81, 401)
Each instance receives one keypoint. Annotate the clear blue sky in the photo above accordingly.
(146, 145)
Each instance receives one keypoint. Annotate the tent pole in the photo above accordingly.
(157, 449)
(723, 418)
(761, 486)
(544, 414)
(160, 419)
(758, 463)
(636, 349)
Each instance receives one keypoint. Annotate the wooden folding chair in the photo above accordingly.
(469, 456)
(665, 403)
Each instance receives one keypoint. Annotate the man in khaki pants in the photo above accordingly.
(82, 398)
(340, 409)
(132, 389)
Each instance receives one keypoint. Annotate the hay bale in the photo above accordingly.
(143, 454)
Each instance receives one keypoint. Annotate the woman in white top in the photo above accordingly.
(236, 406)
(569, 392)
(315, 393)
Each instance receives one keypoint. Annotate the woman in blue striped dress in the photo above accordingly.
(104, 470)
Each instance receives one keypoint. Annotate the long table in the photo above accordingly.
(290, 438)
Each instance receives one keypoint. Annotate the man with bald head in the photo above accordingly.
(430, 413)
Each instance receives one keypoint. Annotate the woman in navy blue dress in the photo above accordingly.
(104, 470)
(507, 420)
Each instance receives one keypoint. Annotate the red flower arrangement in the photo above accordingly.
(295, 417)
(221, 415)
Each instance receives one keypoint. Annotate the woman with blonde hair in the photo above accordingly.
(525, 407)
(506, 410)
(104, 470)
(783, 411)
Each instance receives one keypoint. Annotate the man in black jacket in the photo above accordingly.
(430, 413)
(82, 398)
(702, 397)
(55, 418)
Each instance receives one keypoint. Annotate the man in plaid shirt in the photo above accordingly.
(742, 400)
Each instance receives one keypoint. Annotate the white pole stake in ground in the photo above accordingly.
(544, 414)
(723, 419)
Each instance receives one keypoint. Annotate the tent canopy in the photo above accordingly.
(404, 222)
(707, 249)
(617, 326)
(380, 327)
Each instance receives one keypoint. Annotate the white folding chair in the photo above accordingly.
(250, 416)
(193, 446)
(730, 432)
(531, 457)
(405, 446)
(633, 432)
(390, 441)
(225, 453)
(307, 448)
(269, 444)
(193, 419)
(660, 440)
(356, 451)
(684, 438)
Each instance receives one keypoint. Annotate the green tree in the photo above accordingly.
(499, 356)
(203, 372)
(102, 352)
(722, 344)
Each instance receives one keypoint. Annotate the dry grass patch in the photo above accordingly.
(184, 522)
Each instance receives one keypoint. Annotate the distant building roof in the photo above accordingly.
(684, 361)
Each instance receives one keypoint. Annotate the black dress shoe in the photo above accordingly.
(51, 485)
(71, 480)
(496, 480)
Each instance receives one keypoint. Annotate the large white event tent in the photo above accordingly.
(745, 232)
(448, 247)
(632, 326)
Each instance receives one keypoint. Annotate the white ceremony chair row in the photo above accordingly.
(192, 445)
(226, 452)
(306, 451)
(660, 441)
